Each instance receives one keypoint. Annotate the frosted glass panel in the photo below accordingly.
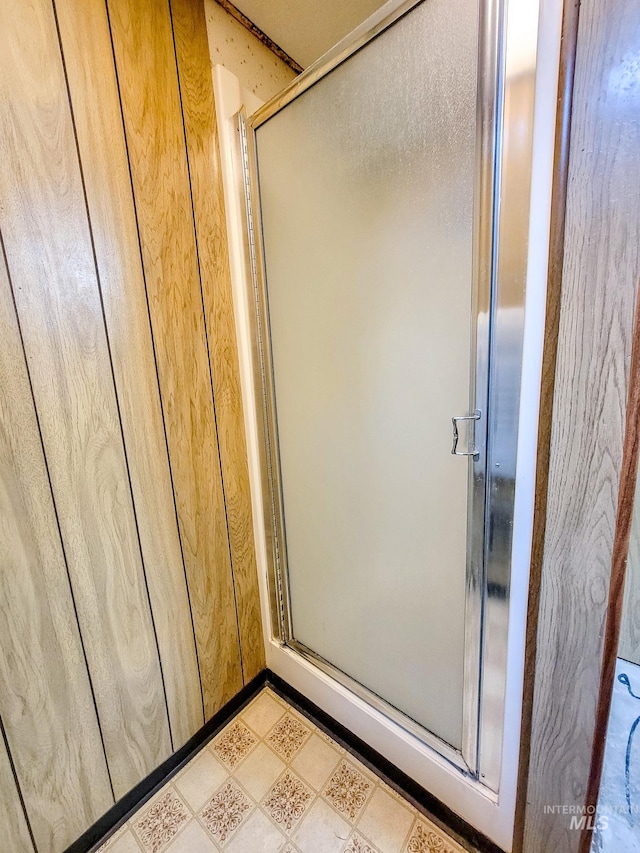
(366, 184)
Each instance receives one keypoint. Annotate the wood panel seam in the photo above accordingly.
(155, 358)
(59, 528)
(613, 618)
(203, 144)
(206, 334)
(113, 379)
(144, 53)
(3, 733)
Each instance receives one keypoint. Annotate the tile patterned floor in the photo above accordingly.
(272, 781)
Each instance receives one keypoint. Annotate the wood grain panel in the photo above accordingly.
(626, 493)
(629, 648)
(145, 62)
(196, 87)
(86, 44)
(15, 832)
(601, 266)
(43, 220)
(45, 694)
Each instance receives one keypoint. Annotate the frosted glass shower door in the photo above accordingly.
(366, 192)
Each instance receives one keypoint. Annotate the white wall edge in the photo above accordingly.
(546, 91)
(229, 100)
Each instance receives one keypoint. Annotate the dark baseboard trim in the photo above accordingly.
(437, 812)
(424, 802)
(121, 811)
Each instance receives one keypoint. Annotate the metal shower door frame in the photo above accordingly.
(488, 533)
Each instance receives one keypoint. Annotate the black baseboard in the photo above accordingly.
(120, 812)
(424, 802)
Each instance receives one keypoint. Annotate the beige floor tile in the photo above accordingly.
(288, 735)
(368, 773)
(168, 786)
(315, 761)
(313, 797)
(233, 744)
(358, 844)
(226, 811)
(258, 835)
(263, 713)
(300, 716)
(160, 820)
(386, 821)
(259, 771)
(322, 830)
(287, 801)
(348, 790)
(392, 791)
(200, 779)
(192, 839)
(425, 837)
(122, 842)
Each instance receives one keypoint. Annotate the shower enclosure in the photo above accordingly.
(388, 192)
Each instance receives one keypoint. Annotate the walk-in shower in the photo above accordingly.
(388, 199)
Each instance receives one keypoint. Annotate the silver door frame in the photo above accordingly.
(488, 533)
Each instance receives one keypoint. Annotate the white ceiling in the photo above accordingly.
(305, 29)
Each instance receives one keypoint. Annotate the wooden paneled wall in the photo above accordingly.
(630, 627)
(600, 276)
(129, 610)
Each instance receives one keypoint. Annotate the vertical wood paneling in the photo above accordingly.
(119, 624)
(600, 274)
(630, 627)
(45, 695)
(43, 220)
(196, 87)
(88, 56)
(624, 515)
(15, 832)
(145, 62)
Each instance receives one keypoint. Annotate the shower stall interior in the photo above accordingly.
(391, 325)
